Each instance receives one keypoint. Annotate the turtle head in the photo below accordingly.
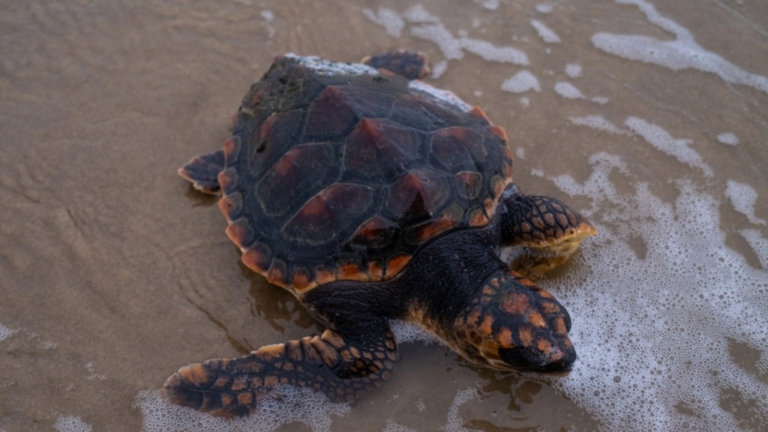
(512, 324)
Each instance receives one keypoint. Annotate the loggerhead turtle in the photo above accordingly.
(372, 196)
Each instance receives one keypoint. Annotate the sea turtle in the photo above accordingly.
(372, 196)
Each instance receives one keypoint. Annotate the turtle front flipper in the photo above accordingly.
(549, 230)
(203, 172)
(409, 64)
(341, 365)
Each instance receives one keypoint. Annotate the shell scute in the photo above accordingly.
(329, 212)
(381, 148)
(301, 169)
(417, 195)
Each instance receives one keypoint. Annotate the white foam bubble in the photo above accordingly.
(71, 424)
(488, 4)
(444, 96)
(332, 68)
(545, 32)
(521, 82)
(429, 27)
(743, 198)
(438, 69)
(5, 332)
(662, 140)
(455, 422)
(601, 100)
(525, 101)
(728, 138)
(568, 90)
(653, 328)
(573, 70)
(520, 153)
(407, 332)
(491, 52)
(681, 53)
(418, 14)
(387, 18)
(267, 15)
(294, 405)
(598, 122)
(544, 8)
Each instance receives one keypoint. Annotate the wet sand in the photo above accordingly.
(115, 273)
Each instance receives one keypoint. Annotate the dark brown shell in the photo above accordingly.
(339, 171)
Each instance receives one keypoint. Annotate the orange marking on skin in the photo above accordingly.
(487, 326)
(346, 356)
(355, 352)
(288, 366)
(499, 132)
(375, 270)
(334, 339)
(536, 319)
(230, 205)
(277, 273)
(526, 282)
(429, 230)
(231, 147)
(507, 167)
(525, 336)
(239, 385)
(505, 338)
(351, 271)
(473, 317)
(256, 382)
(546, 294)
(271, 352)
(560, 326)
(478, 219)
(495, 282)
(293, 348)
(270, 381)
(476, 110)
(302, 280)
(470, 183)
(221, 383)
(227, 399)
(488, 290)
(240, 232)
(498, 185)
(284, 165)
(515, 304)
(489, 205)
(245, 398)
(396, 264)
(227, 178)
(550, 308)
(543, 345)
(324, 275)
(196, 374)
(328, 353)
(257, 258)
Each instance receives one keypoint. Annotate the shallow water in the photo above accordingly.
(649, 116)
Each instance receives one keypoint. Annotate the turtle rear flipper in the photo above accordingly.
(409, 64)
(549, 230)
(203, 172)
(341, 366)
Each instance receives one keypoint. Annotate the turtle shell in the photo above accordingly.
(339, 171)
